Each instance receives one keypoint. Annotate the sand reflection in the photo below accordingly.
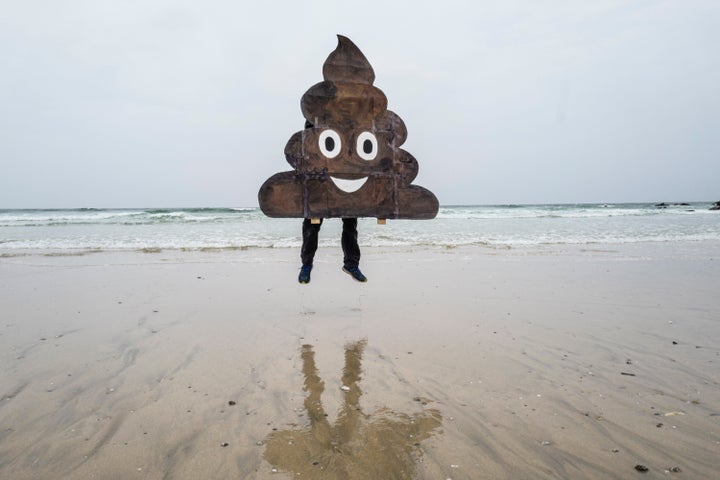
(384, 444)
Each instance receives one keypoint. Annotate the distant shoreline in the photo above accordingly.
(461, 205)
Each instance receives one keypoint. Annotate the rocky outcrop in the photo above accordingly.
(716, 206)
(665, 205)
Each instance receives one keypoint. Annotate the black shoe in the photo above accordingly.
(355, 273)
(304, 276)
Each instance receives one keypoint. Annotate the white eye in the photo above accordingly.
(367, 146)
(329, 143)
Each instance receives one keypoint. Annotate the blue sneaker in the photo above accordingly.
(304, 276)
(355, 273)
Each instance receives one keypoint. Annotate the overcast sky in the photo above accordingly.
(190, 103)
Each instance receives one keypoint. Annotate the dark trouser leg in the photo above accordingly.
(310, 241)
(351, 249)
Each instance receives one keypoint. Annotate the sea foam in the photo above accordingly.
(232, 228)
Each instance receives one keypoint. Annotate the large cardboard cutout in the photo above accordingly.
(347, 161)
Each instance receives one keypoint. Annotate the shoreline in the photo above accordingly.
(533, 362)
(661, 245)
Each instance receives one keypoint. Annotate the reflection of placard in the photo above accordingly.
(348, 161)
(382, 444)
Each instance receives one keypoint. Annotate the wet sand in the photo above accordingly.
(467, 363)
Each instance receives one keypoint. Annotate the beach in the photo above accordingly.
(470, 362)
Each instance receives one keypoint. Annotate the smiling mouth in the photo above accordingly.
(349, 186)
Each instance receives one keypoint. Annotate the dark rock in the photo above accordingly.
(661, 205)
(716, 206)
(641, 468)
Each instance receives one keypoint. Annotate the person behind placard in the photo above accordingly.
(350, 247)
(348, 240)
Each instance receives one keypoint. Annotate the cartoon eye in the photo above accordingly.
(329, 143)
(367, 146)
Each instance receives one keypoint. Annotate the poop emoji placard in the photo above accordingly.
(347, 160)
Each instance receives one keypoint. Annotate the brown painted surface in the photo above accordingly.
(349, 136)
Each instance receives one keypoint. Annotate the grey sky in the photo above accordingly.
(179, 103)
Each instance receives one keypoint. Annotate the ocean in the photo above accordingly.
(245, 228)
